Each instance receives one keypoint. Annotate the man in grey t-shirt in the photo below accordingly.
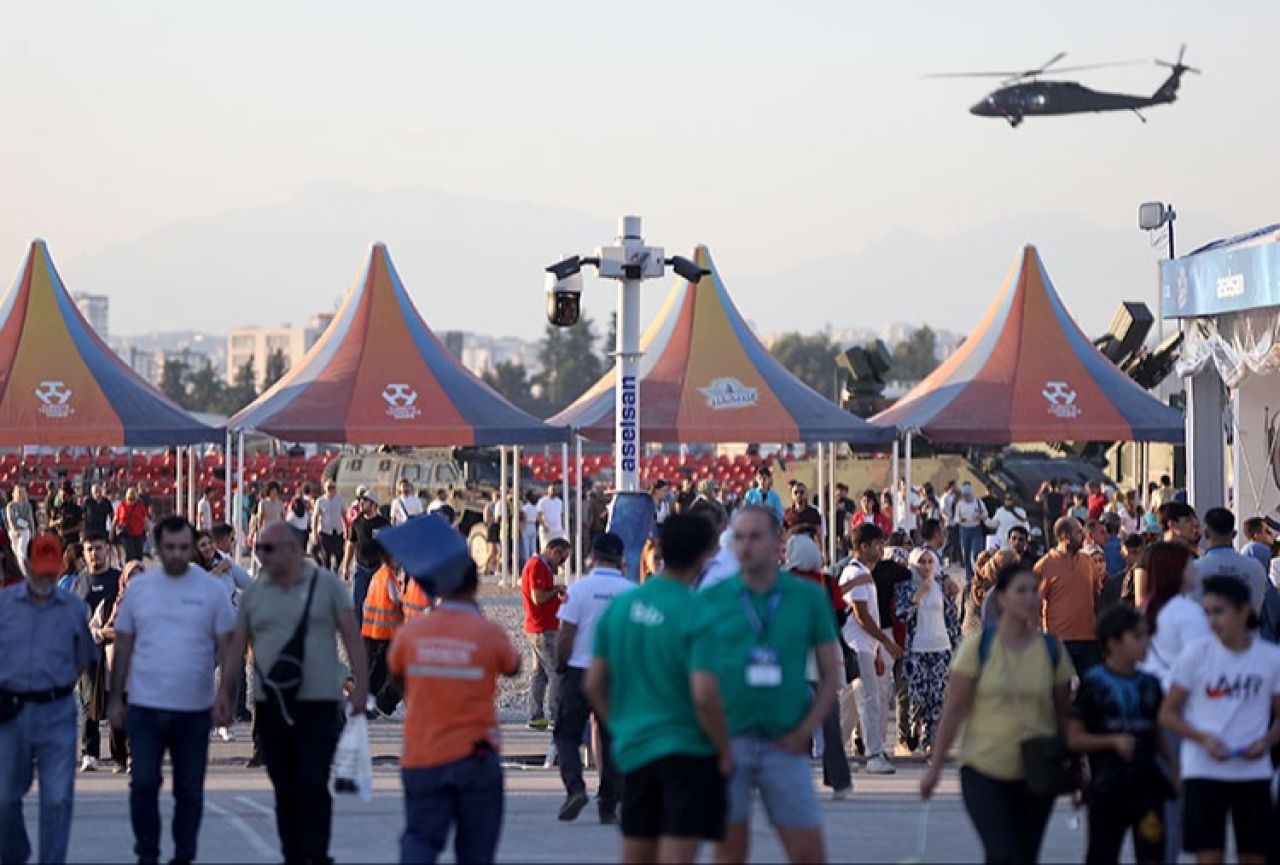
(1221, 560)
(298, 736)
(171, 627)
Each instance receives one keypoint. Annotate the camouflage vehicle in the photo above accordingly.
(467, 474)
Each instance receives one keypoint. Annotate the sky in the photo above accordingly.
(140, 135)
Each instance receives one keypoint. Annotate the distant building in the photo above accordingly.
(256, 344)
(95, 308)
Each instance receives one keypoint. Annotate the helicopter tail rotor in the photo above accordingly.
(1178, 66)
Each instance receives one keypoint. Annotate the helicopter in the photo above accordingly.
(1023, 94)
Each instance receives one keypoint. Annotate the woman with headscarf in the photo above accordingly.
(933, 630)
(804, 560)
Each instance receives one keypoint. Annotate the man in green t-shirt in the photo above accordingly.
(760, 627)
(670, 738)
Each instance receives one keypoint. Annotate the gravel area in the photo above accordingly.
(503, 606)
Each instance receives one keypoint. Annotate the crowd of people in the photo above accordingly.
(1134, 670)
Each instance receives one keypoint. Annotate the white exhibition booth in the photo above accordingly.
(1227, 297)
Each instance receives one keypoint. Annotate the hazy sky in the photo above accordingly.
(780, 134)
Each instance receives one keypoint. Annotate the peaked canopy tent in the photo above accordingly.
(705, 377)
(1029, 374)
(379, 375)
(60, 384)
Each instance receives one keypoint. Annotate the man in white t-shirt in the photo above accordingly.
(406, 505)
(875, 647)
(1005, 518)
(550, 517)
(204, 510)
(582, 608)
(528, 527)
(172, 626)
(971, 516)
(907, 503)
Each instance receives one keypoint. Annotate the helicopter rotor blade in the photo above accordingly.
(1178, 64)
(971, 74)
(1110, 65)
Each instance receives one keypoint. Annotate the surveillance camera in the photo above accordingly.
(687, 269)
(564, 296)
(1153, 215)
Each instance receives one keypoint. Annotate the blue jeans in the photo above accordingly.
(360, 579)
(972, 540)
(185, 735)
(466, 794)
(784, 780)
(42, 738)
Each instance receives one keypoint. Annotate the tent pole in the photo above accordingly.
(191, 482)
(514, 563)
(906, 494)
(820, 480)
(501, 512)
(893, 485)
(242, 518)
(226, 478)
(178, 489)
(577, 509)
(834, 528)
(564, 497)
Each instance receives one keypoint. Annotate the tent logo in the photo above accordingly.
(56, 399)
(729, 393)
(401, 401)
(1062, 399)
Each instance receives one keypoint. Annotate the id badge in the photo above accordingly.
(763, 669)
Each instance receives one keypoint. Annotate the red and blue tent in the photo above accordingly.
(706, 378)
(60, 384)
(378, 375)
(1028, 374)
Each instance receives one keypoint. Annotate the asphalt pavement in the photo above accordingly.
(881, 822)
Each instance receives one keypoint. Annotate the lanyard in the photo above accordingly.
(761, 627)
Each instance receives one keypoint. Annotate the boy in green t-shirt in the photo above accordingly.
(670, 738)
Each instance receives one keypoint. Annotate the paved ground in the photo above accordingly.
(880, 823)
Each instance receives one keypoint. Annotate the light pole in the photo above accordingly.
(1152, 216)
(630, 262)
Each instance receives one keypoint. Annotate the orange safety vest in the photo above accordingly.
(382, 613)
(414, 601)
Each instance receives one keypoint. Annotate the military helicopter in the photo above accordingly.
(1023, 94)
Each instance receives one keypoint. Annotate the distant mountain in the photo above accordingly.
(477, 265)
(462, 259)
(948, 282)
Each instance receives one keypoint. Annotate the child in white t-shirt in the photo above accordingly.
(1224, 701)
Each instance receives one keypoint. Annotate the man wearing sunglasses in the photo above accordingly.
(298, 735)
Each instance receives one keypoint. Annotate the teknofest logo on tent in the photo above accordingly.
(55, 398)
(727, 393)
(401, 401)
(1062, 399)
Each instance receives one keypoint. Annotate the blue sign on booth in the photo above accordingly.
(1219, 281)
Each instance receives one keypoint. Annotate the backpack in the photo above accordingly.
(989, 633)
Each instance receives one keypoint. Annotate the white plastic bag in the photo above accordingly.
(353, 760)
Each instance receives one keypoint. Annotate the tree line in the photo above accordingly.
(202, 389)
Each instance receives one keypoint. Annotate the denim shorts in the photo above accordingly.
(785, 782)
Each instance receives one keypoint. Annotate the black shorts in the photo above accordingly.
(494, 534)
(677, 796)
(1205, 805)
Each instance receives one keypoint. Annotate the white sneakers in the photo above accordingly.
(878, 765)
(225, 734)
(89, 764)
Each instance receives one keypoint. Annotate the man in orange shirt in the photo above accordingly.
(1069, 586)
(447, 664)
(383, 616)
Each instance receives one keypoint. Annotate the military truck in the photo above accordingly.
(472, 473)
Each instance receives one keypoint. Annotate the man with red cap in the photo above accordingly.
(44, 647)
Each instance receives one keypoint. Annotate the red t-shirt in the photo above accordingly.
(131, 519)
(1097, 504)
(539, 618)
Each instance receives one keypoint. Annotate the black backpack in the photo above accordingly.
(284, 681)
